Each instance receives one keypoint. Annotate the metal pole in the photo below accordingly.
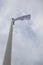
(7, 57)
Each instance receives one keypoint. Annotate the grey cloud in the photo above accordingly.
(27, 45)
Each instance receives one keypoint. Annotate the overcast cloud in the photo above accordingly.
(27, 46)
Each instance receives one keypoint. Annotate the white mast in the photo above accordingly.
(7, 57)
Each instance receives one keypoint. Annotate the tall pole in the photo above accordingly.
(7, 57)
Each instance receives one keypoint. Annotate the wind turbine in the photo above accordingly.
(7, 56)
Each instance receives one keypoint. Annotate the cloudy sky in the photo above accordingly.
(27, 45)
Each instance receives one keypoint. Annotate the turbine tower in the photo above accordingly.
(7, 56)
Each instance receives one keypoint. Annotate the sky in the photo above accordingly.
(27, 44)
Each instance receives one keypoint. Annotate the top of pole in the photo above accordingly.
(25, 17)
(13, 20)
